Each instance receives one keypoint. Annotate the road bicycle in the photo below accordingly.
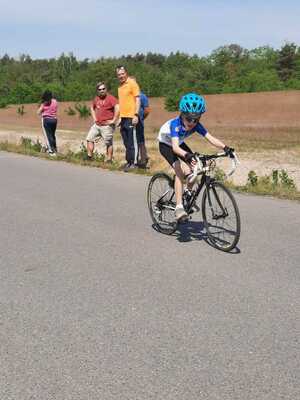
(220, 213)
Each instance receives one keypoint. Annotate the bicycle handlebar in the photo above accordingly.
(234, 163)
(201, 166)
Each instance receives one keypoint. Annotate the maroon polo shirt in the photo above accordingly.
(104, 108)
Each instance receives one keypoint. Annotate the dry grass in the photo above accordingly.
(264, 127)
(265, 142)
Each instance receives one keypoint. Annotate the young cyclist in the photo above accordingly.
(173, 148)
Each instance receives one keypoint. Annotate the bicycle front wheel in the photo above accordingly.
(221, 217)
(161, 203)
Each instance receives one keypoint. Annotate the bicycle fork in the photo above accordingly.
(216, 216)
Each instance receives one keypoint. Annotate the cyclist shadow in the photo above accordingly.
(191, 230)
(195, 230)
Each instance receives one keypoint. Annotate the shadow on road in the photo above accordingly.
(195, 230)
(191, 230)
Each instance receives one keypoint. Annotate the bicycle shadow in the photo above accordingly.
(195, 230)
(191, 230)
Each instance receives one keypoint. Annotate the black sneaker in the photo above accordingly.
(128, 167)
(143, 165)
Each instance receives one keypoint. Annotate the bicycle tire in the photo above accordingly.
(221, 217)
(161, 203)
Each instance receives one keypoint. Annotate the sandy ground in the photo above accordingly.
(237, 119)
(263, 163)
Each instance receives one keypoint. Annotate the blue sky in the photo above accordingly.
(95, 28)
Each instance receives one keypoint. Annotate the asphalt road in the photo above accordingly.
(95, 304)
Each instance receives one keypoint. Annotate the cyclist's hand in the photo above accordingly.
(189, 158)
(229, 151)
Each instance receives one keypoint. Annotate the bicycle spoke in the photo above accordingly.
(161, 204)
(221, 217)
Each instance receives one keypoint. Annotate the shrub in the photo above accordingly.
(70, 111)
(3, 103)
(83, 110)
(278, 183)
(171, 102)
(83, 155)
(252, 178)
(286, 181)
(20, 110)
(28, 144)
(219, 174)
(281, 178)
(275, 177)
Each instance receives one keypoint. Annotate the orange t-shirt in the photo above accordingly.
(127, 93)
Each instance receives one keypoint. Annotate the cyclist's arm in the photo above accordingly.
(214, 141)
(175, 147)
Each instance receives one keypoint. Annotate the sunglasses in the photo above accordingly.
(192, 120)
(102, 88)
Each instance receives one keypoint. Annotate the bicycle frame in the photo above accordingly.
(206, 181)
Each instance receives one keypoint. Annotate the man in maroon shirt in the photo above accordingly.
(105, 113)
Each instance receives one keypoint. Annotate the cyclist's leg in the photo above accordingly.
(186, 168)
(179, 181)
(181, 169)
(174, 160)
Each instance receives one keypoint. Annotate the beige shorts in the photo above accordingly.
(98, 132)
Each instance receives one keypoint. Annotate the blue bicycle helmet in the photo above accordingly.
(192, 104)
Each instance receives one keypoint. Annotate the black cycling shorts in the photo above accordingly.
(168, 153)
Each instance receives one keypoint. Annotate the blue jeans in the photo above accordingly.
(49, 125)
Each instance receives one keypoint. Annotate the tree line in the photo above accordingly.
(228, 69)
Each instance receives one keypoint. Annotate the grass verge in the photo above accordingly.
(35, 149)
(278, 184)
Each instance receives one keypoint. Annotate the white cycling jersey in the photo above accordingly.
(175, 128)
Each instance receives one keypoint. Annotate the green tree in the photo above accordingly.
(286, 64)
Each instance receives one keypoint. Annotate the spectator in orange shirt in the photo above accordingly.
(129, 102)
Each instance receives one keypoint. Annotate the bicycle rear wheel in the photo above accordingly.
(161, 203)
(221, 216)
